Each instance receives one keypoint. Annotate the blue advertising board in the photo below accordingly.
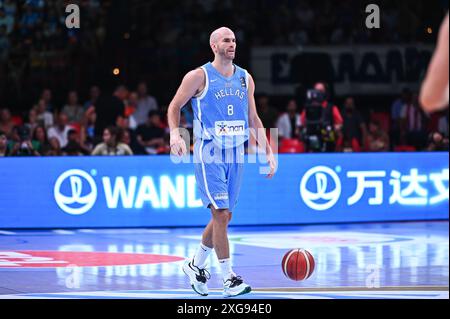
(152, 191)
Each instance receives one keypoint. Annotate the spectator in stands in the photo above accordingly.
(60, 130)
(29, 20)
(94, 94)
(437, 142)
(32, 121)
(73, 109)
(3, 144)
(40, 140)
(124, 123)
(5, 44)
(6, 21)
(87, 128)
(55, 149)
(150, 135)
(126, 137)
(146, 103)
(396, 115)
(112, 144)
(10, 7)
(377, 139)
(130, 109)
(266, 112)
(46, 95)
(109, 108)
(413, 123)
(24, 146)
(354, 127)
(44, 117)
(73, 147)
(6, 123)
(289, 123)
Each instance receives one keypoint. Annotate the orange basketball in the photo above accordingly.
(298, 264)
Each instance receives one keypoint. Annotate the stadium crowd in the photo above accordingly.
(132, 122)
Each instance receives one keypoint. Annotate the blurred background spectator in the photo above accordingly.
(73, 109)
(289, 123)
(112, 143)
(354, 127)
(377, 139)
(3, 144)
(150, 135)
(60, 131)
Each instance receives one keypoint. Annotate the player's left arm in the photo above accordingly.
(256, 125)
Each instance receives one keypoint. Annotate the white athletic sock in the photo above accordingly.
(200, 257)
(225, 266)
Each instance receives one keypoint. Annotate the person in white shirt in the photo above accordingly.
(289, 123)
(43, 116)
(146, 103)
(112, 145)
(73, 109)
(61, 130)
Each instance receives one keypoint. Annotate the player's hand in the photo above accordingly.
(177, 145)
(272, 163)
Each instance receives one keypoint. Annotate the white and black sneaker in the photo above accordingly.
(197, 276)
(235, 286)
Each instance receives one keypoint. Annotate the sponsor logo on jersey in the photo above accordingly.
(230, 128)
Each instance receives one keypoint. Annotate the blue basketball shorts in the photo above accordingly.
(218, 173)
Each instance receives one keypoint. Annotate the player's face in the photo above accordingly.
(226, 46)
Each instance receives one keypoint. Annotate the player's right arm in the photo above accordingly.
(193, 83)
(434, 92)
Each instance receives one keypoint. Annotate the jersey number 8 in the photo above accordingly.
(230, 109)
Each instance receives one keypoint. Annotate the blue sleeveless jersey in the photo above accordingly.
(221, 111)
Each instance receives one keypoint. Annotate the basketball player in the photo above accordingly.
(222, 97)
(434, 92)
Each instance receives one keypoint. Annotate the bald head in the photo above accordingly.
(217, 34)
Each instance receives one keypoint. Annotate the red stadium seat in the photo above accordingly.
(289, 145)
(355, 145)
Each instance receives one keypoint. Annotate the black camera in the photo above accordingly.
(315, 96)
(24, 135)
(318, 129)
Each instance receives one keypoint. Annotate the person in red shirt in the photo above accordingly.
(337, 117)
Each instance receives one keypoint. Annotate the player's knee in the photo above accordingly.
(221, 216)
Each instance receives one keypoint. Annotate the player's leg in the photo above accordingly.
(195, 268)
(205, 247)
(207, 239)
(234, 285)
(221, 219)
(207, 235)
